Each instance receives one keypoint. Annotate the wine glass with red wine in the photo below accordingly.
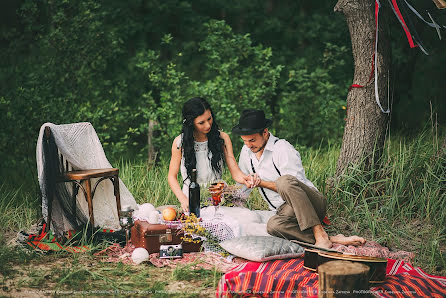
(216, 191)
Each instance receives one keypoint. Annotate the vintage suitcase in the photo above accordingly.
(151, 236)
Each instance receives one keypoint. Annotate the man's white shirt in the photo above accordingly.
(277, 152)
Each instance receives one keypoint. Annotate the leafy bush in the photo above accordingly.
(73, 83)
(236, 75)
(65, 69)
(311, 109)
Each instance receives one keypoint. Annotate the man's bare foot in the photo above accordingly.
(324, 243)
(351, 240)
(322, 239)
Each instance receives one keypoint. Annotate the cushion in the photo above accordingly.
(262, 248)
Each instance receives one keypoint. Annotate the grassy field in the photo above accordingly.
(400, 203)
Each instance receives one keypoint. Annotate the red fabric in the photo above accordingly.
(403, 23)
(406, 31)
(288, 278)
(326, 221)
(47, 242)
(280, 278)
(404, 280)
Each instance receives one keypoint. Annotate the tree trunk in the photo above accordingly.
(343, 279)
(151, 154)
(365, 123)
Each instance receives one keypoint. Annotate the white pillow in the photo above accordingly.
(262, 248)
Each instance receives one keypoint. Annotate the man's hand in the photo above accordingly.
(251, 180)
(255, 180)
(268, 184)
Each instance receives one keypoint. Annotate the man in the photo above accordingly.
(299, 206)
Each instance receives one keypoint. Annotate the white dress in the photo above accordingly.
(241, 221)
(205, 175)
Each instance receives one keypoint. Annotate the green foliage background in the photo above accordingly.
(118, 64)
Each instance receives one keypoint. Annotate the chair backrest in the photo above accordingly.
(61, 212)
(64, 165)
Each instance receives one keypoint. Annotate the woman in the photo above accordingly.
(201, 146)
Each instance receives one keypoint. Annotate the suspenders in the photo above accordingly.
(261, 188)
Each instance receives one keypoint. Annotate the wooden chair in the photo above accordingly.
(82, 179)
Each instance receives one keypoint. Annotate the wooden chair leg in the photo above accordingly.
(50, 209)
(117, 193)
(74, 198)
(89, 201)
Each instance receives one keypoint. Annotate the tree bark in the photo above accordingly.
(365, 123)
(151, 153)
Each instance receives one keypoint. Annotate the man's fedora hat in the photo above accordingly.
(251, 122)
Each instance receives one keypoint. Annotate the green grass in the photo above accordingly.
(208, 278)
(399, 202)
(18, 208)
(147, 183)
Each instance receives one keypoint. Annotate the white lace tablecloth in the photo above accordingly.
(231, 222)
(242, 221)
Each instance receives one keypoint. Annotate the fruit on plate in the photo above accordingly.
(169, 213)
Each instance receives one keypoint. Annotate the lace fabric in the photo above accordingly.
(81, 148)
(205, 175)
(233, 222)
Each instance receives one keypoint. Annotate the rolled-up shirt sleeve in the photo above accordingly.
(243, 163)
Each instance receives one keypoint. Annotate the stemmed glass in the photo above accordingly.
(126, 221)
(216, 190)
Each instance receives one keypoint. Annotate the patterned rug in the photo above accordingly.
(373, 249)
(403, 280)
(288, 278)
(204, 260)
(71, 241)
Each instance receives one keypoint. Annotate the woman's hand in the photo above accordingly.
(174, 168)
(184, 204)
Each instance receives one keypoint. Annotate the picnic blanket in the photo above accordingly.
(374, 249)
(47, 241)
(404, 280)
(37, 238)
(204, 260)
(288, 278)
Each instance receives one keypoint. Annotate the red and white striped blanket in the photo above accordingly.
(288, 278)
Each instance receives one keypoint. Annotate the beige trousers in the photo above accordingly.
(304, 208)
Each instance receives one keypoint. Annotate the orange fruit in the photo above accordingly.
(169, 213)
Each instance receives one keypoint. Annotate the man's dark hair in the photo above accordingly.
(260, 132)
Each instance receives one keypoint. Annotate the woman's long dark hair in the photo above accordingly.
(193, 108)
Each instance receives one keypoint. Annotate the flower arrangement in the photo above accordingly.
(194, 232)
(232, 195)
(191, 227)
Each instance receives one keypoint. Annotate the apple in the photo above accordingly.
(169, 213)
